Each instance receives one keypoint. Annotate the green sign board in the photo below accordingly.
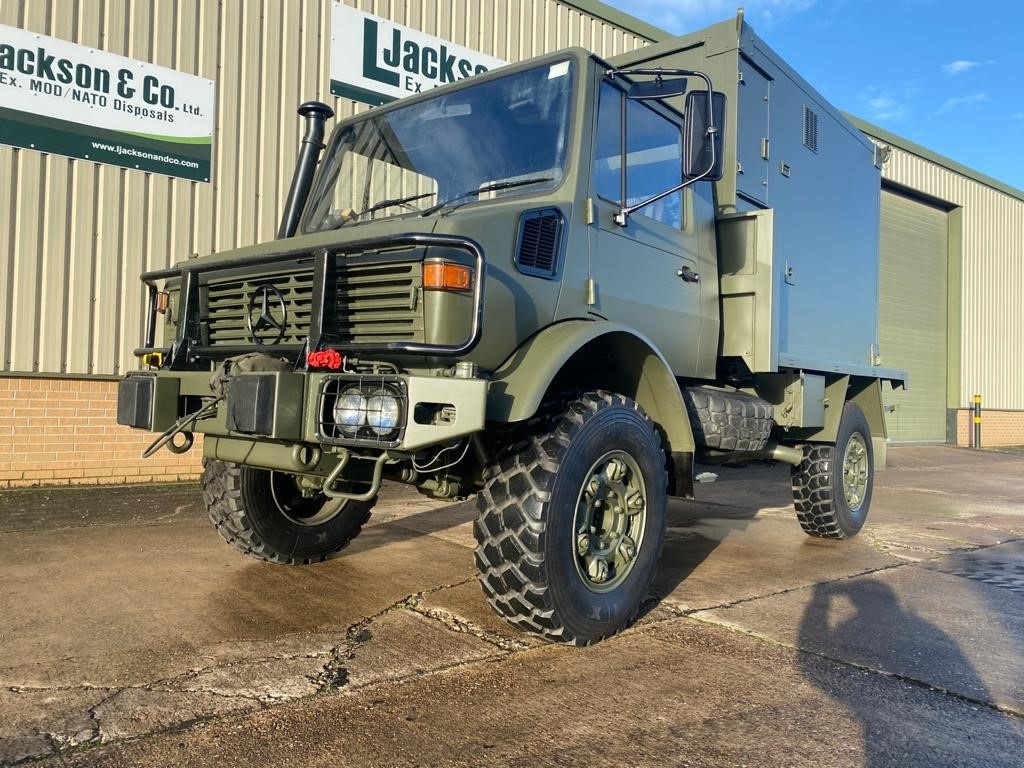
(68, 99)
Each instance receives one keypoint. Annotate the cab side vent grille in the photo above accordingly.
(811, 129)
(540, 238)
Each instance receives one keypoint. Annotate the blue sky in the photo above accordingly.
(946, 75)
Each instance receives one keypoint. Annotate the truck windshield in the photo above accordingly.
(499, 137)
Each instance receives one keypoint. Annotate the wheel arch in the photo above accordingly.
(591, 354)
(864, 392)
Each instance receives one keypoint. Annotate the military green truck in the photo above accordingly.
(556, 286)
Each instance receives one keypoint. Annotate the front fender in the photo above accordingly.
(591, 354)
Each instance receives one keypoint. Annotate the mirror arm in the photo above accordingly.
(657, 72)
(622, 217)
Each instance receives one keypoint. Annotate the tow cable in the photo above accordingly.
(179, 427)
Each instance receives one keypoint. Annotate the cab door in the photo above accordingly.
(646, 271)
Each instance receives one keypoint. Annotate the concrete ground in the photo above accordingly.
(130, 635)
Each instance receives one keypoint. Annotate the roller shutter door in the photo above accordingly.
(912, 315)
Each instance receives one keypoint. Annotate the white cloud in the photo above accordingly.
(681, 16)
(890, 105)
(888, 109)
(963, 102)
(959, 66)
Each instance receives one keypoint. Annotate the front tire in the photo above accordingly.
(263, 514)
(832, 485)
(572, 520)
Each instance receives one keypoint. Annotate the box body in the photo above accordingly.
(797, 210)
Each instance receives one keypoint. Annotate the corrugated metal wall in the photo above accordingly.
(74, 235)
(992, 292)
(913, 314)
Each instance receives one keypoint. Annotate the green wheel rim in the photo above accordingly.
(608, 526)
(856, 470)
(302, 510)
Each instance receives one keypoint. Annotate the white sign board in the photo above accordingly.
(375, 61)
(68, 99)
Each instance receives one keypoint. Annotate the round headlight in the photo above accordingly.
(350, 410)
(382, 412)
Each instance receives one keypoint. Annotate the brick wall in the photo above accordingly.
(997, 428)
(64, 431)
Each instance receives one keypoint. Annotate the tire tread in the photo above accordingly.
(225, 506)
(812, 493)
(511, 527)
(817, 483)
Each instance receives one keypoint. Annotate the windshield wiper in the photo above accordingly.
(395, 201)
(350, 215)
(486, 188)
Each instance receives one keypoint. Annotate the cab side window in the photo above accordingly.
(654, 156)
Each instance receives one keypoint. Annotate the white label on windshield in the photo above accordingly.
(558, 70)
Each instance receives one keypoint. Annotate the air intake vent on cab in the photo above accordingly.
(540, 238)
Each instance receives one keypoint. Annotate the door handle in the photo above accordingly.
(688, 275)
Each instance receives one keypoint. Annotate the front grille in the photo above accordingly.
(366, 302)
(227, 303)
(375, 303)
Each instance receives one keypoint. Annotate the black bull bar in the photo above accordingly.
(188, 343)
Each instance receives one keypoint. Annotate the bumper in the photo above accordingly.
(298, 408)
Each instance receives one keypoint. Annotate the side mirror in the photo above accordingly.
(658, 88)
(704, 136)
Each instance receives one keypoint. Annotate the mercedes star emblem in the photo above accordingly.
(267, 312)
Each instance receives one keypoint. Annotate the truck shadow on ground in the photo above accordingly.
(697, 527)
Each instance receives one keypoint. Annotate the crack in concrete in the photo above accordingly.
(178, 510)
(334, 675)
(457, 624)
(192, 674)
(98, 725)
(60, 688)
(214, 692)
(688, 612)
(880, 544)
(60, 743)
(887, 547)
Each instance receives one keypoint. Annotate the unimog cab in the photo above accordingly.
(555, 285)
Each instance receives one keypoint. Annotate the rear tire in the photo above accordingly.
(263, 514)
(832, 485)
(572, 520)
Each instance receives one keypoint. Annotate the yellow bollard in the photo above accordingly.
(977, 421)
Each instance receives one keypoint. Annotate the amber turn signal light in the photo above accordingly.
(442, 276)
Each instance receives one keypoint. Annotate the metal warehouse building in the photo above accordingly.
(75, 233)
